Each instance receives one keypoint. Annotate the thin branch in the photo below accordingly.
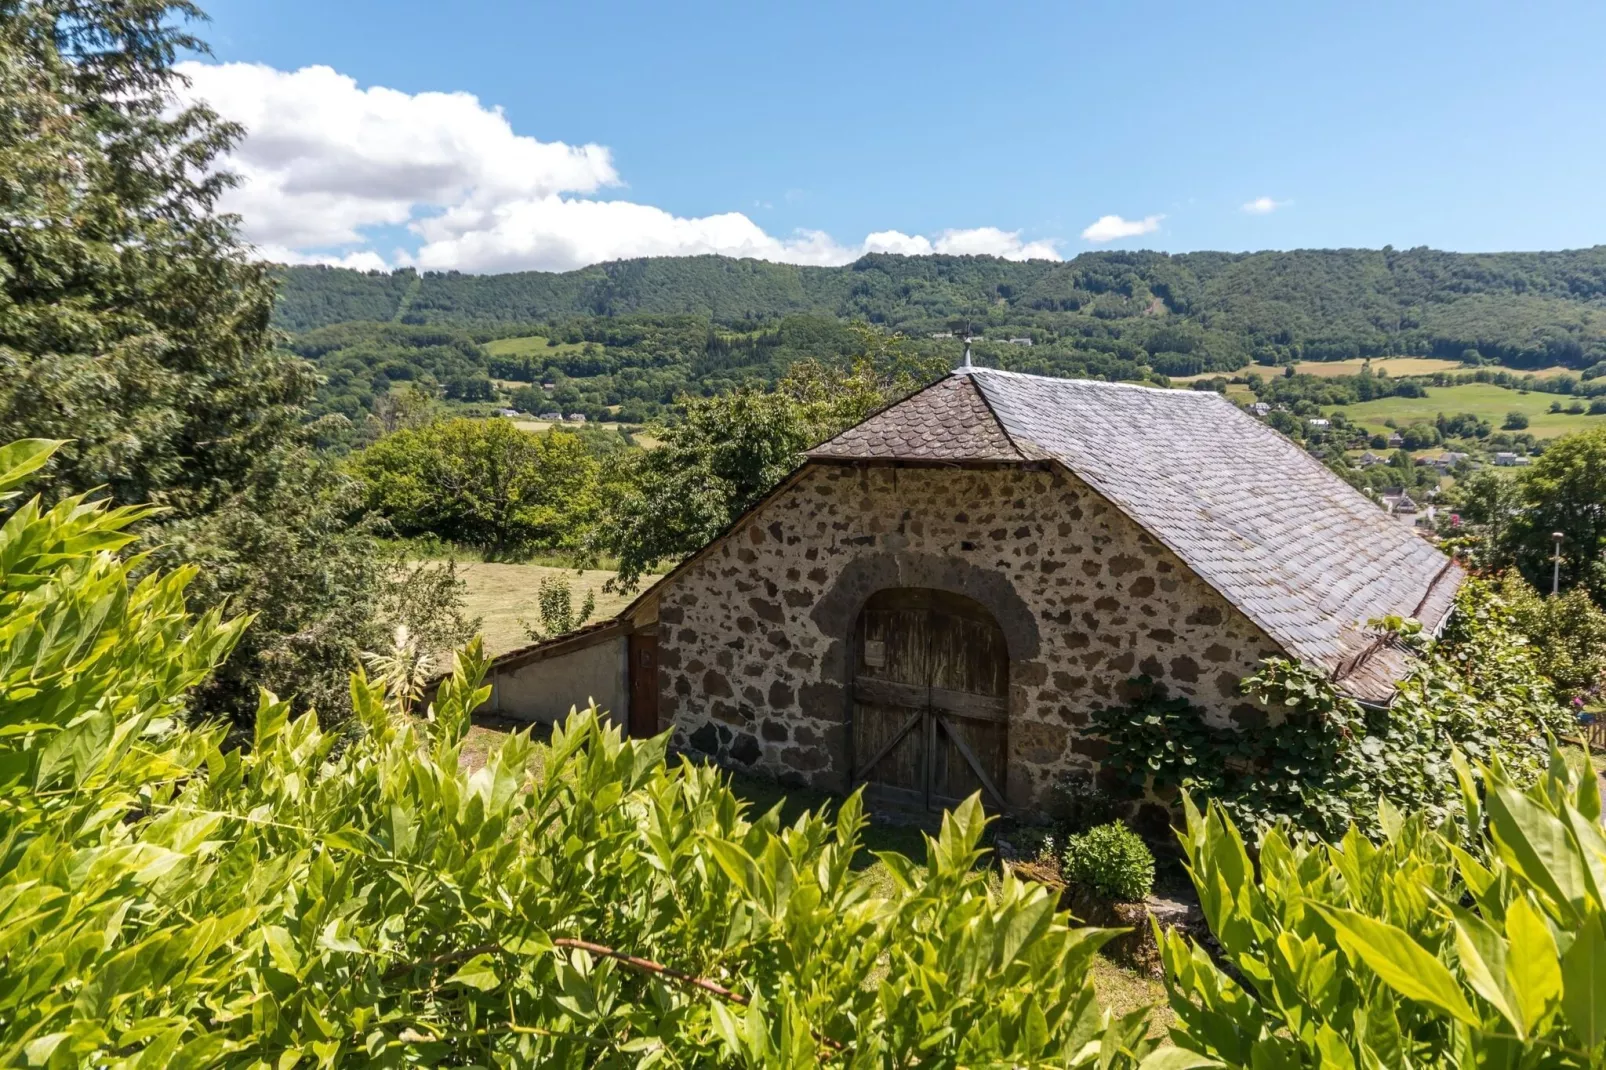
(404, 968)
(659, 969)
(648, 966)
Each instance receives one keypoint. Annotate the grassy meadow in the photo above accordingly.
(1481, 399)
(1400, 366)
(501, 594)
(1395, 366)
(530, 345)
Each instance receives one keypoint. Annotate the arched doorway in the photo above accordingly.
(930, 709)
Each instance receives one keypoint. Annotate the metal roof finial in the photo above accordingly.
(966, 366)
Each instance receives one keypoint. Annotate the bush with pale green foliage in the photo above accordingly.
(1566, 632)
(321, 900)
(1110, 861)
(554, 601)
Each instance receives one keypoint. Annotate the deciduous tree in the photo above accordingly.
(484, 483)
(731, 450)
(134, 325)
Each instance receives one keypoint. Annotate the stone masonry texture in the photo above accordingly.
(754, 636)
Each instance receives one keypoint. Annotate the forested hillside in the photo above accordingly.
(1191, 312)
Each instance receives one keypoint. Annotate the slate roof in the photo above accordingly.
(946, 420)
(1300, 552)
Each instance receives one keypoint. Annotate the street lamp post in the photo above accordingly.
(1555, 564)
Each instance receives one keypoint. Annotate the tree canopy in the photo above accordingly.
(731, 450)
(485, 483)
(1514, 521)
(1186, 313)
(134, 326)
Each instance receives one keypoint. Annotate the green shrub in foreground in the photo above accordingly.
(1111, 861)
(317, 900)
(1473, 942)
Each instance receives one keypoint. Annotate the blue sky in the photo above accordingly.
(1465, 126)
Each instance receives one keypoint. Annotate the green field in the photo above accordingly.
(1481, 399)
(503, 597)
(530, 345)
(1395, 366)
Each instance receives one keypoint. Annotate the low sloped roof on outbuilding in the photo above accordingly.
(1300, 552)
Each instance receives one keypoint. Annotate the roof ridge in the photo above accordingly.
(967, 373)
(978, 370)
(973, 437)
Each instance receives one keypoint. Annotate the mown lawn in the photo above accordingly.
(1484, 400)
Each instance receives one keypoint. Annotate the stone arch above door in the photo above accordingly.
(835, 613)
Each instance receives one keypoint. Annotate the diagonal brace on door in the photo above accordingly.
(971, 760)
(886, 748)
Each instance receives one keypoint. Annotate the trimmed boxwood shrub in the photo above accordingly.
(1111, 861)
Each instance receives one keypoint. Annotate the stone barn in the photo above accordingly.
(933, 603)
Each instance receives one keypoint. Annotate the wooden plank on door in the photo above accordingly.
(892, 654)
(642, 653)
(930, 708)
(969, 688)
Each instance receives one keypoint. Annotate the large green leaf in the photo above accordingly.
(1533, 966)
(1481, 951)
(20, 459)
(478, 972)
(1538, 846)
(1169, 1058)
(1402, 963)
(1583, 972)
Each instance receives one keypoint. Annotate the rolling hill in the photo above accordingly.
(1193, 311)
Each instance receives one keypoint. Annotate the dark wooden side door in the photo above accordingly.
(930, 707)
(642, 650)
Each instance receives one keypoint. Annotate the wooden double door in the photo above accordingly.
(930, 705)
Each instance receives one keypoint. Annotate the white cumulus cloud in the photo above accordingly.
(325, 161)
(1264, 206)
(977, 241)
(1111, 227)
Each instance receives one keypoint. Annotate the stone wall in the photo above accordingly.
(754, 636)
